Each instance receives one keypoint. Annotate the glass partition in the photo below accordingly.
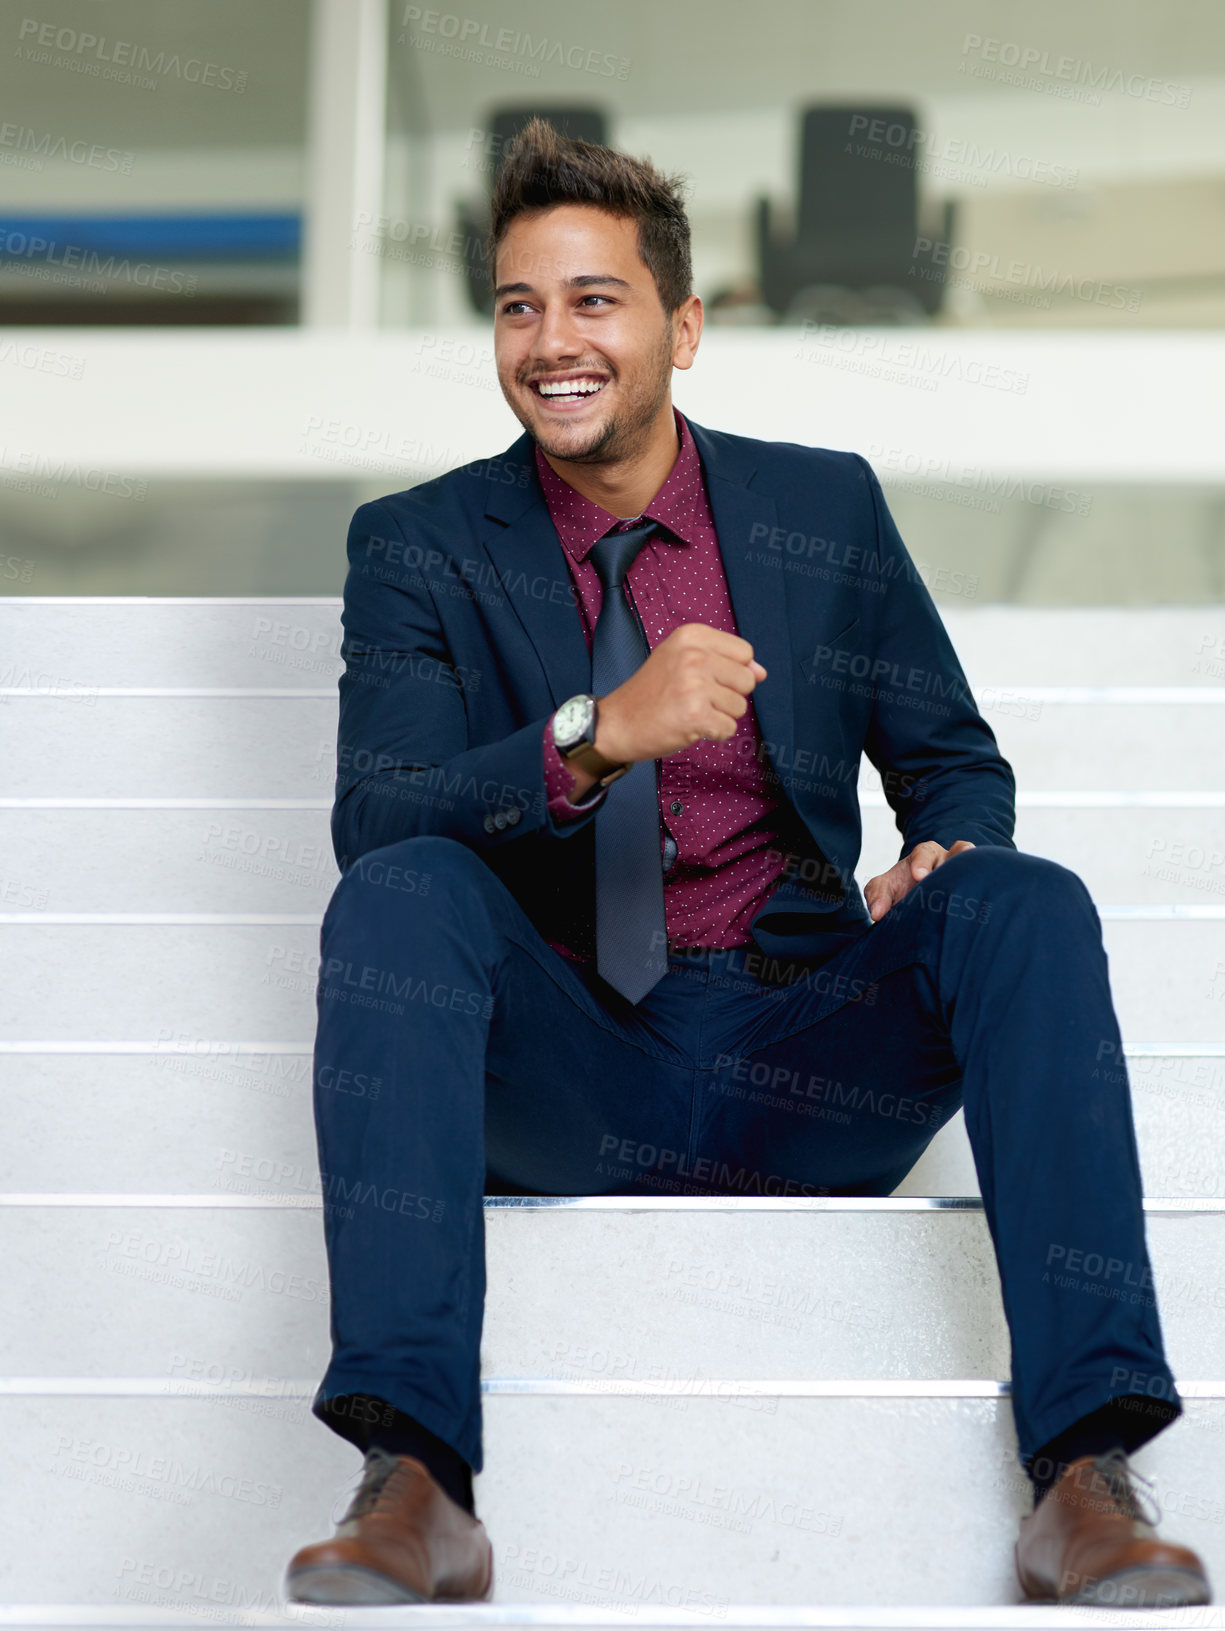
(945, 163)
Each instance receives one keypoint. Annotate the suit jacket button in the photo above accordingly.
(513, 816)
(499, 820)
(489, 824)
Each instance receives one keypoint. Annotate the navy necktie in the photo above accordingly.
(631, 934)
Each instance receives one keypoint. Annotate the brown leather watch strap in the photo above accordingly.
(595, 764)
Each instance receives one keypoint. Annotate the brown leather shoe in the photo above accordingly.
(1089, 1541)
(403, 1540)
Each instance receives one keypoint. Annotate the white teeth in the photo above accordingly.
(570, 387)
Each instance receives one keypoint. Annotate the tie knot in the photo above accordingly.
(613, 555)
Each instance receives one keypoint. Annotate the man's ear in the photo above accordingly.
(687, 322)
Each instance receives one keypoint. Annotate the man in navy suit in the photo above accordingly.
(598, 930)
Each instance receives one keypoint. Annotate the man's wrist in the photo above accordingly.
(608, 741)
(598, 766)
(584, 743)
(584, 790)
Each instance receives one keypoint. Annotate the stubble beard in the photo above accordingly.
(618, 438)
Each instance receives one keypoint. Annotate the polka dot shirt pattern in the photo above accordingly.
(716, 800)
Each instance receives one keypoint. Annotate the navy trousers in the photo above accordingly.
(457, 1050)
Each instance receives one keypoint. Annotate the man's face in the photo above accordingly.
(584, 348)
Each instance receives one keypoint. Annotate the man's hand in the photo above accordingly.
(890, 887)
(693, 686)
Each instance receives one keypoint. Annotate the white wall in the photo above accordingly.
(1072, 407)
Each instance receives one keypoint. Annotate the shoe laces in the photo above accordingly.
(371, 1480)
(1121, 1480)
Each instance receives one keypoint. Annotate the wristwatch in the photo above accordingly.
(574, 729)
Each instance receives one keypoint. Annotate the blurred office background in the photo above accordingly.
(981, 242)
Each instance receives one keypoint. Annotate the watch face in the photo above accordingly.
(571, 721)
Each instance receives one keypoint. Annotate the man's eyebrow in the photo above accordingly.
(588, 280)
(592, 278)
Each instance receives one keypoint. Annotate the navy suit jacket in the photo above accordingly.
(462, 635)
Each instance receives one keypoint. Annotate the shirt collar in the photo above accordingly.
(680, 505)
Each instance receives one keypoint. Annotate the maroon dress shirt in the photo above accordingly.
(719, 801)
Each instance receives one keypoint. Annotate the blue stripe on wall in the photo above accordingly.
(166, 237)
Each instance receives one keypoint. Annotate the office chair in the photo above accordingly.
(852, 256)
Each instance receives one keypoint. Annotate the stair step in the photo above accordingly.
(210, 1118)
(1143, 856)
(692, 1410)
(295, 640)
(285, 747)
(738, 1617)
(249, 860)
(258, 981)
(606, 1503)
(586, 1294)
(214, 1616)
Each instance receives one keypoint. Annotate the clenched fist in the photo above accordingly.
(695, 685)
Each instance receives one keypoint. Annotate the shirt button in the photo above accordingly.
(676, 807)
(513, 815)
(488, 824)
(499, 820)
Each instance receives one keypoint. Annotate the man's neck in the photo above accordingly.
(626, 488)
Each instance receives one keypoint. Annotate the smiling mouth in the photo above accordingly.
(568, 390)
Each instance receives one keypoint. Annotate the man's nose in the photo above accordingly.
(557, 337)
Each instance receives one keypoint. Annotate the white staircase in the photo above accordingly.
(754, 1413)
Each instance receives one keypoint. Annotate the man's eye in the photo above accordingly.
(514, 307)
(603, 299)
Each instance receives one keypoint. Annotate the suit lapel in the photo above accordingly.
(529, 560)
(744, 519)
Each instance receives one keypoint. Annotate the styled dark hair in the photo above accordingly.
(541, 167)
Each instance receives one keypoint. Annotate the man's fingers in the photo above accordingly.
(884, 891)
(727, 701)
(925, 857)
(720, 641)
(881, 892)
(738, 676)
(880, 904)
